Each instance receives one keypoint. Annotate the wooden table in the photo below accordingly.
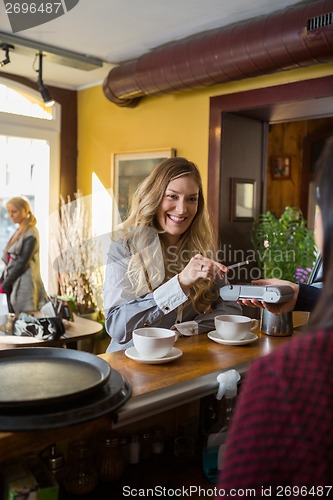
(79, 329)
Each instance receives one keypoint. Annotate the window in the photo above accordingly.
(29, 161)
(18, 103)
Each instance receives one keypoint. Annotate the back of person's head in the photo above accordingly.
(324, 187)
(322, 316)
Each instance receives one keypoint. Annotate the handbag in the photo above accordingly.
(40, 328)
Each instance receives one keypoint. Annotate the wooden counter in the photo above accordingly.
(156, 388)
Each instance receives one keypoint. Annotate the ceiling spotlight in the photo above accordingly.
(48, 101)
(5, 47)
(41, 87)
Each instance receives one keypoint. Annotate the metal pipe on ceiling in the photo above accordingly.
(295, 37)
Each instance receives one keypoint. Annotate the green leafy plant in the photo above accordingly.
(284, 246)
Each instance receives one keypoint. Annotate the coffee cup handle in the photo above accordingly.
(254, 323)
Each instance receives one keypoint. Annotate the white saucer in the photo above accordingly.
(175, 353)
(250, 337)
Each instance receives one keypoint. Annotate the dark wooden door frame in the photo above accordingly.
(280, 103)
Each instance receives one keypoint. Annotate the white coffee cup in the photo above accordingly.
(233, 326)
(153, 343)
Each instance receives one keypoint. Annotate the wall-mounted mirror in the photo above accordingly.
(242, 199)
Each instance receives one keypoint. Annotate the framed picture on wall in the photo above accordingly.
(129, 170)
(281, 167)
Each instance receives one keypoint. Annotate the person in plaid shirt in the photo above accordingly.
(280, 441)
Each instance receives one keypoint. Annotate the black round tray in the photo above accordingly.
(106, 399)
(44, 375)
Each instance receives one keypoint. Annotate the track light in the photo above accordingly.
(27, 47)
(41, 87)
(5, 47)
(48, 101)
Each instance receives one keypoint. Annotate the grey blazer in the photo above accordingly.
(21, 278)
(124, 311)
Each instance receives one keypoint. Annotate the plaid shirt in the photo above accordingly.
(281, 434)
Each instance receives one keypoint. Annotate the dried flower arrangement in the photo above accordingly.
(79, 261)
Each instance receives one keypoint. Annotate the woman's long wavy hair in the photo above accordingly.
(322, 316)
(21, 203)
(198, 238)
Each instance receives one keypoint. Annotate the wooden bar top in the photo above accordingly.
(201, 356)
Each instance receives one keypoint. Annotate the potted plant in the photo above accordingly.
(285, 247)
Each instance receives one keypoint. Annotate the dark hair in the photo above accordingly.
(322, 316)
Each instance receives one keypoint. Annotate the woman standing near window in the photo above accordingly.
(21, 279)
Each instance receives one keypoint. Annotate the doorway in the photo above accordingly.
(283, 103)
(242, 159)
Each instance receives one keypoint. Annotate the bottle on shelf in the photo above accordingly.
(80, 476)
(111, 461)
(125, 449)
(54, 460)
(135, 449)
(158, 441)
(146, 444)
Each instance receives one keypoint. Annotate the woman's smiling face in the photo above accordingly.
(178, 207)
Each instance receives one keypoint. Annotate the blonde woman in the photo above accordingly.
(161, 269)
(21, 279)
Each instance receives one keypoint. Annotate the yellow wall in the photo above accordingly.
(179, 121)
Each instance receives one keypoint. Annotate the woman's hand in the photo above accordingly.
(198, 268)
(274, 308)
